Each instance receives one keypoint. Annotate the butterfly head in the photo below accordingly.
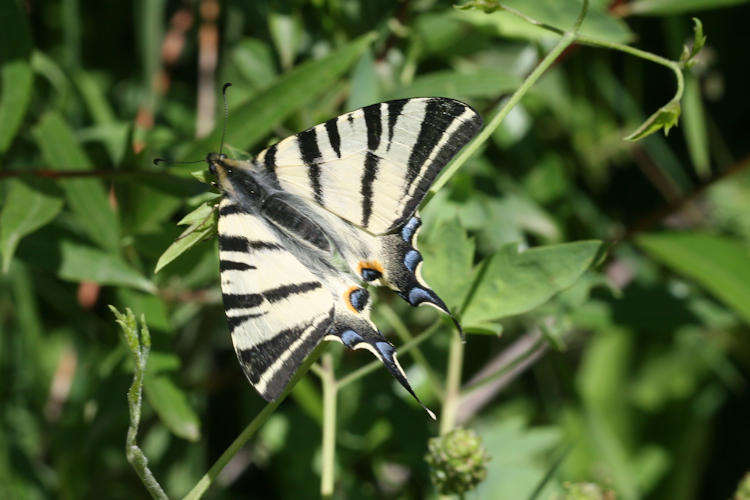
(214, 160)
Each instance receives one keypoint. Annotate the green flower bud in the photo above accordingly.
(457, 461)
(743, 489)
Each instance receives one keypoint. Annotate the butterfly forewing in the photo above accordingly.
(373, 166)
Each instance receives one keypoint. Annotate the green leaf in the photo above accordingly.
(250, 122)
(79, 262)
(448, 263)
(87, 197)
(364, 83)
(671, 7)
(487, 83)
(514, 282)
(200, 230)
(28, 205)
(16, 77)
(695, 130)
(665, 118)
(718, 263)
(172, 406)
(598, 23)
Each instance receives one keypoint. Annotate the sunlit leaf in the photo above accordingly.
(199, 231)
(514, 282)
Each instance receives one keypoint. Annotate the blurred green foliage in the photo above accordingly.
(635, 371)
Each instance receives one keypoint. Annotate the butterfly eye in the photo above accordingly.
(212, 168)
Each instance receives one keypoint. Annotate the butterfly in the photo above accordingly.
(309, 223)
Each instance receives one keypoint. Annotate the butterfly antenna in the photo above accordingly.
(226, 114)
(169, 163)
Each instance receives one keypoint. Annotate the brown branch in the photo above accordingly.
(76, 174)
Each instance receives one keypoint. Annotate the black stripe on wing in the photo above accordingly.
(394, 111)
(458, 139)
(374, 126)
(257, 360)
(368, 178)
(332, 129)
(310, 153)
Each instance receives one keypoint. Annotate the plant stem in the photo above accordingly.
(673, 65)
(330, 391)
(203, 484)
(452, 385)
(488, 130)
(139, 346)
(540, 343)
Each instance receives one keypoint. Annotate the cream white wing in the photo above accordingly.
(373, 166)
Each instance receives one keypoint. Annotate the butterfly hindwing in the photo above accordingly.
(373, 166)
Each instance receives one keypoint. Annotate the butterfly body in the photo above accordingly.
(312, 220)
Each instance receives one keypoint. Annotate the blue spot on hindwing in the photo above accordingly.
(418, 295)
(370, 274)
(411, 259)
(358, 298)
(407, 232)
(350, 338)
(385, 349)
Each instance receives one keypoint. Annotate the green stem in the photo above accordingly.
(540, 343)
(489, 129)
(374, 365)
(452, 385)
(330, 391)
(201, 486)
(139, 346)
(403, 333)
(673, 65)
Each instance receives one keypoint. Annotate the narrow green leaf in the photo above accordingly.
(15, 70)
(28, 205)
(80, 262)
(198, 215)
(665, 118)
(197, 232)
(487, 83)
(514, 282)
(364, 85)
(286, 32)
(87, 197)
(718, 263)
(172, 406)
(250, 122)
(696, 134)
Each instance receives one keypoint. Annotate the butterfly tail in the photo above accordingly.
(358, 333)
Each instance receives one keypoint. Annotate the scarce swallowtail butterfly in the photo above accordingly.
(307, 225)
